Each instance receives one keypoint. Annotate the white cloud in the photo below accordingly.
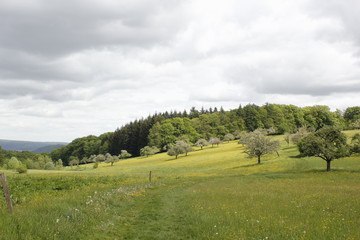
(72, 69)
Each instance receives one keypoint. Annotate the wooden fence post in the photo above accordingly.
(150, 176)
(6, 191)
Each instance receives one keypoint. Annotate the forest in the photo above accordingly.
(164, 129)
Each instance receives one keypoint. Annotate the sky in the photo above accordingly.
(69, 69)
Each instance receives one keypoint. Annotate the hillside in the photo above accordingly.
(37, 147)
(214, 193)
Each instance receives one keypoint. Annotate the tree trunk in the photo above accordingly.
(328, 168)
(258, 159)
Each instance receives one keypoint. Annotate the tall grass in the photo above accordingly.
(214, 193)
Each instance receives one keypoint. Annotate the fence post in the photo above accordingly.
(6, 191)
(150, 176)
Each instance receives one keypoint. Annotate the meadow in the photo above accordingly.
(214, 193)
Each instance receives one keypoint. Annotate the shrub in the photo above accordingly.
(49, 166)
(21, 169)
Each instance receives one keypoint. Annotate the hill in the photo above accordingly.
(37, 147)
(213, 193)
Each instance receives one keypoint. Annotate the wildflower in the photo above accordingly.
(57, 220)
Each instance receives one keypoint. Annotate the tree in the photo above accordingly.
(201, 143)
(59, 164)
(355, 143)
(302, 132)
(147, 151)
(124, 154)
(287, 138)
(214, 140)
(169, 130)
(74, 162)
(49, 166)
(185, 146)
(229, 137)
(111, 159)
(175, 150)
(328, 143)
(352, 116)
(13, 163)
(257, 144)
(355, 124)
(21, 168)
(100, 158)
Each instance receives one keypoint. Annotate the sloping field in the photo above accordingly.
(214, 193)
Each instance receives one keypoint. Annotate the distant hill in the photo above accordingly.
(37, 147)
(48, 148)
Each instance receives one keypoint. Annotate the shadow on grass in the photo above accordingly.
(173, 159)
(246, 166)
(335, 170)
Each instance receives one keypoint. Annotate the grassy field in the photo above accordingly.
(214, 193)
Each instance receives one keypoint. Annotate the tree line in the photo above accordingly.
(163, 130)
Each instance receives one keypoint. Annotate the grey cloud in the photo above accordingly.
(296, 80)
(346, 11)
(303, 88)
(58, 27)
(37, 37)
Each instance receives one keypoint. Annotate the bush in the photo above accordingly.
(96, 165)
(13, 163)
(49, 166)
(21, 169)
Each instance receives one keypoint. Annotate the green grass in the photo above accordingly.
(214, 193)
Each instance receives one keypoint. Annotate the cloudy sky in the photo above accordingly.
(73, 68)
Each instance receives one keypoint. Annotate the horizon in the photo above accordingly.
(187, 110)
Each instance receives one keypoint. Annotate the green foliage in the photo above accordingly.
(49, 166)
(352, 114)
(209, 194)
(13, 163)
(355, 124)
(257, 145)
(355, 143)
(287, 138)
(328, 143)
(201, 143)
(21, 168)
(147, 151)
(175, 150)
(185, 146)
(96, 165)
(214, 141)
(111, 159)
(301, 133)
(100, 158)
(124, 154)
(168, 131)
(74, 161)
(59, 164)
(229, 137)
(83, 148)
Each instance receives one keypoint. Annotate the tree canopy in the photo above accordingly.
(258, 144)
(328, 143)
